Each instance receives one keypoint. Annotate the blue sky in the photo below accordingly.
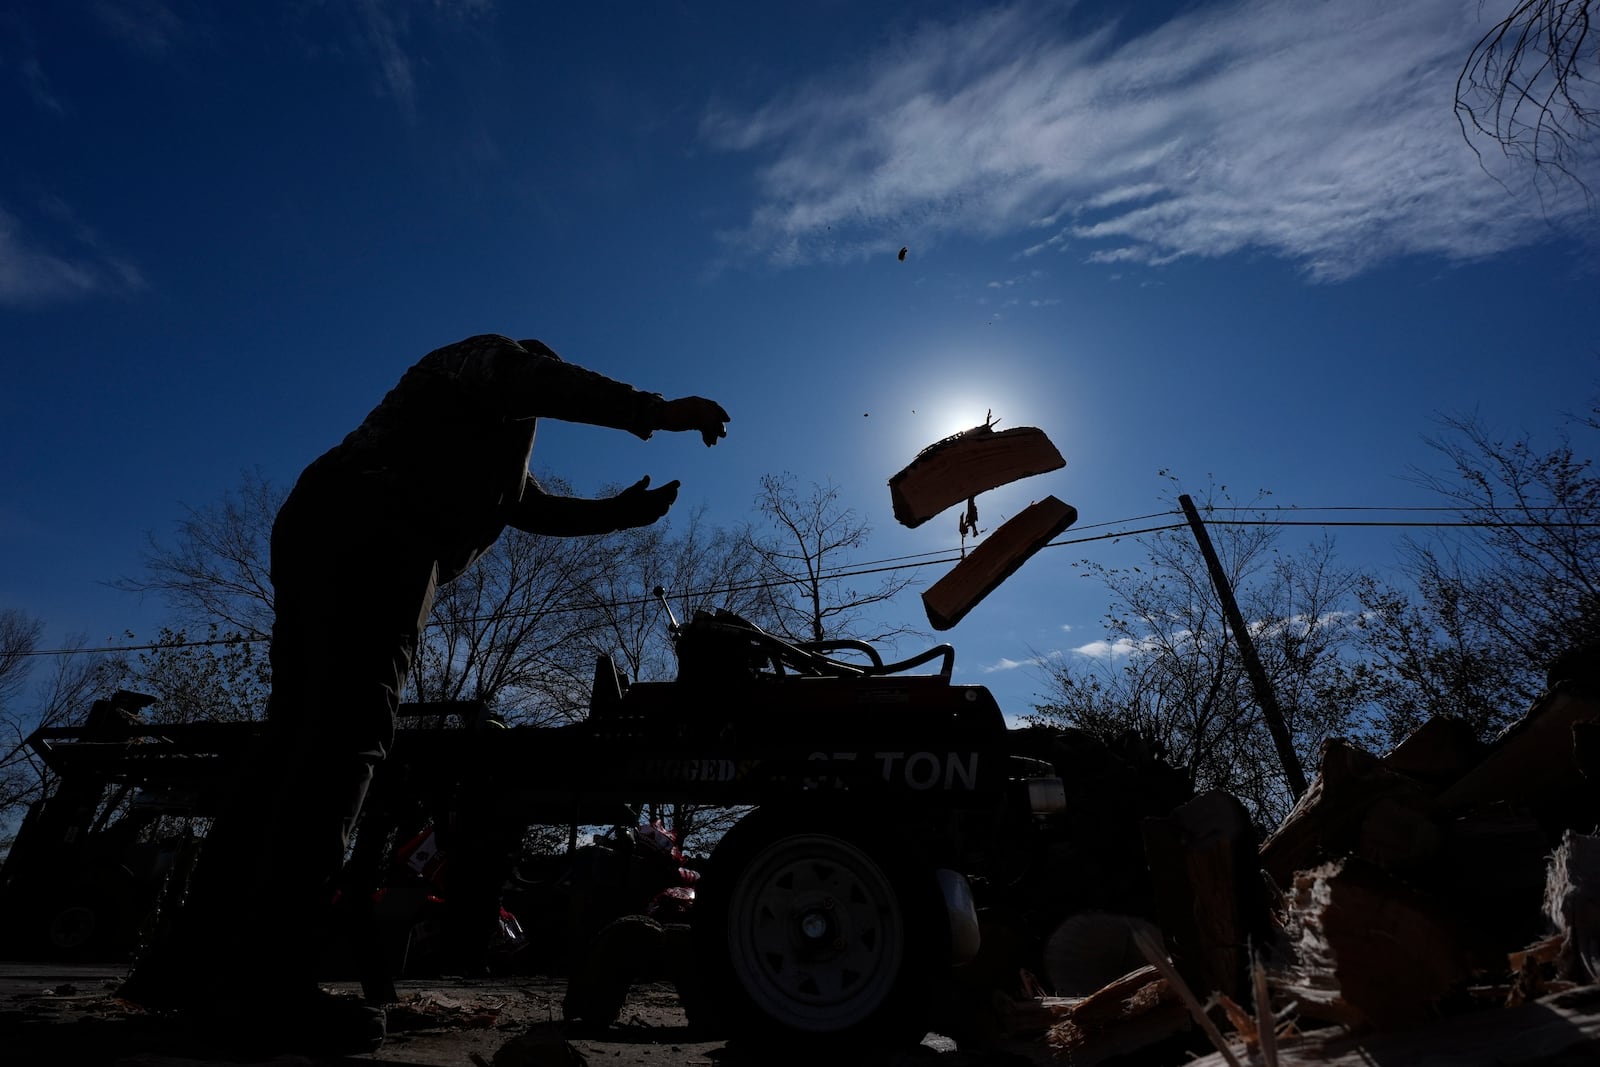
(1240, 240)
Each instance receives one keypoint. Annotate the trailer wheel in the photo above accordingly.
(72, 929)
(818, 931)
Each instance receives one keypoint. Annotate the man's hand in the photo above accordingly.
(695, 413)
(639, 505)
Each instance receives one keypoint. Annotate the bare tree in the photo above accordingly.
(19, 636)
(221, 678)
(1501, 598)
(1304, 613)
(701, 568)
(704, 568)
(1426, 654)
(1529, 85)
(1169, 670)
(510, 631)
(62, 697)
(216, 571)
(502, 633)
(812, 540)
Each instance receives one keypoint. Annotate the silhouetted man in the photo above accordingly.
(406, 502)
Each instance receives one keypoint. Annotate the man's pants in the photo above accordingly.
(351, 592)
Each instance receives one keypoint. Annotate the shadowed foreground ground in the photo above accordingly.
(67, 1016)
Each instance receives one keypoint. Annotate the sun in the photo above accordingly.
(963, 404)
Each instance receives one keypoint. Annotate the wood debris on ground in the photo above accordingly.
(434, 1009)
(543, 1045)
(1438, 904)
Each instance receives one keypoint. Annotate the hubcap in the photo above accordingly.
(815, 933)
(72, 927)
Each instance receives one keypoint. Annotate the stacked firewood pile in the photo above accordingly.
(1439, 904)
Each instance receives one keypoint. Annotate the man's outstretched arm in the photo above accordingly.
(683, 414)
(526, 379)
(540, 512)
(694, 413)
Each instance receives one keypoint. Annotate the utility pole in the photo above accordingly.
(1247, 649)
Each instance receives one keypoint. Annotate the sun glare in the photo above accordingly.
(949, 390)
(962, 403)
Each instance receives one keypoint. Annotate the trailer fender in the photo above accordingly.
(965, 940)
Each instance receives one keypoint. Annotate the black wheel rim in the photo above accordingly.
(72, 927)
(816, 935)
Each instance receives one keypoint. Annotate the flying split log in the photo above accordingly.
(959, 468)
(968, 463)
(999, 555)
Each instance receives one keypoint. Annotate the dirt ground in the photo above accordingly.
(67, 1016)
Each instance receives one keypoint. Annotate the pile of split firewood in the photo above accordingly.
(1436, 905)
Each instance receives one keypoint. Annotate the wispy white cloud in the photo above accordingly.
(387, 35)
(38, 87)
(1007, 664)
(148, 26)
(1323, 133)
(1125, 647)
(1121, 648)
(1006, 283)
(34, 271)
(383, 27)
(1156, 640)
(19, 61)
(384, 33)
(1300, 626)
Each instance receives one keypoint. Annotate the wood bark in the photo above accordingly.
(1209, 894)
(1132, 1012)
(966, 464)
(1554, 1031)
(1437, 753)
(1371, 953)
(1533, 762)
(1572, 897)
(1334, 816)
(995, 559)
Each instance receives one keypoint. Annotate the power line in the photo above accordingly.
(874, 567)
(1371, 507)
(951, 556)
(240, 640)
(1403, 525)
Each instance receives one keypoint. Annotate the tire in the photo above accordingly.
(73, 931)
(817, 930)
